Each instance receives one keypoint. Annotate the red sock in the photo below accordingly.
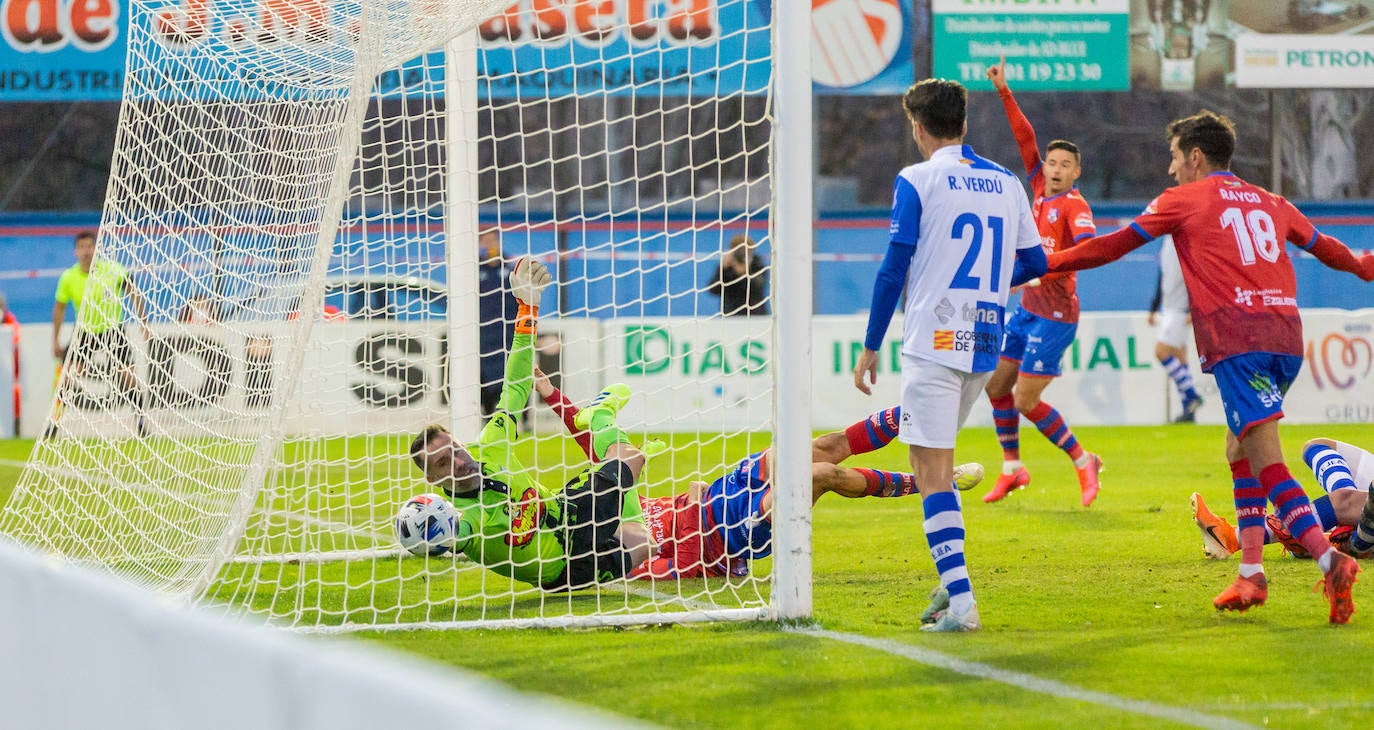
(873, 432)
(567, 411)
(887, 483)
(1007, 421)
(1294, 509)
(1052, 426)
(1250, 498)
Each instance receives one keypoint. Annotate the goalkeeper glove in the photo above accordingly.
(528, 280)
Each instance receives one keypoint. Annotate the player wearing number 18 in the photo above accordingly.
(1229, 236)
(961, 236)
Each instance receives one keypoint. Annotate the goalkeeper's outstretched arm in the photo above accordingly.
(527, 282)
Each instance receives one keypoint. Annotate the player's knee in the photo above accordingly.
(1025, 403)
(627, 454)
(830, 448)
(824, 474)
(1319, 442)
(634, 535)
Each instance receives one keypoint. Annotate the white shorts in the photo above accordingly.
(936, 401)
(1173, 329)
(1361, 462)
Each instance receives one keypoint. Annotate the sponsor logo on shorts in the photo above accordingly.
(1266, 390)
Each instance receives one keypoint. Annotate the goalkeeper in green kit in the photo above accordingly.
(510, 524)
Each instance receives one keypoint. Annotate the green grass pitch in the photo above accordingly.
(1109, 605)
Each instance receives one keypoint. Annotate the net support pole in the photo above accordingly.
(791, 232)
(460, 236)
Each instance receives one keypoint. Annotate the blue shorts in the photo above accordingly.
(1252, 387)
(1037, 343)
(732, 500)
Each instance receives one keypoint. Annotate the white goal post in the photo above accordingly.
(290, 242)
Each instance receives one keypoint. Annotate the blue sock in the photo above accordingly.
(1326, 514)
(1182, 377)
(1329, 467)
(944, 527)
(1362, 540)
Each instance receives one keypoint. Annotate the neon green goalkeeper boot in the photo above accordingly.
(612, 398)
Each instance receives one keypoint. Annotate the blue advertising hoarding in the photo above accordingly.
(74, 50)
(61, 50)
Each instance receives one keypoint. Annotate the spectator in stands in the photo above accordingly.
(741, 281)
(496, 313)
(99, 288)
(7, 320)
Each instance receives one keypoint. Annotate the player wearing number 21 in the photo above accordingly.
(961, 236)
(1229, 235)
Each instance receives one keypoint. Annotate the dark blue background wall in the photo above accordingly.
(634, 269)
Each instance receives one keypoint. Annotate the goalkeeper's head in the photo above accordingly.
(445, 462)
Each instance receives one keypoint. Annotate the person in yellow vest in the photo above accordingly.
(99, 345)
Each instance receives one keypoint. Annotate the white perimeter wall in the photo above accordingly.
(713, 375)
(83, 651)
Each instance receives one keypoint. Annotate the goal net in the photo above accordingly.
(296, 198)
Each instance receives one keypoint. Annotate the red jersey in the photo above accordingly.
(685, 549)
(1229, 235)
(1062, 220)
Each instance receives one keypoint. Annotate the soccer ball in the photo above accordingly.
(427, 525)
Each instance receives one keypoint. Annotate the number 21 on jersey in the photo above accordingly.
(971, 226)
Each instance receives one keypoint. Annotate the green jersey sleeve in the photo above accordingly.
(500, 431)
(515, 391)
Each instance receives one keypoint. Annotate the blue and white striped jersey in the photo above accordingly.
(966, 218)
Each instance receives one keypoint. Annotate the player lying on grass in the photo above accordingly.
(1345, 512)
(508, 522)
(715, 528)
